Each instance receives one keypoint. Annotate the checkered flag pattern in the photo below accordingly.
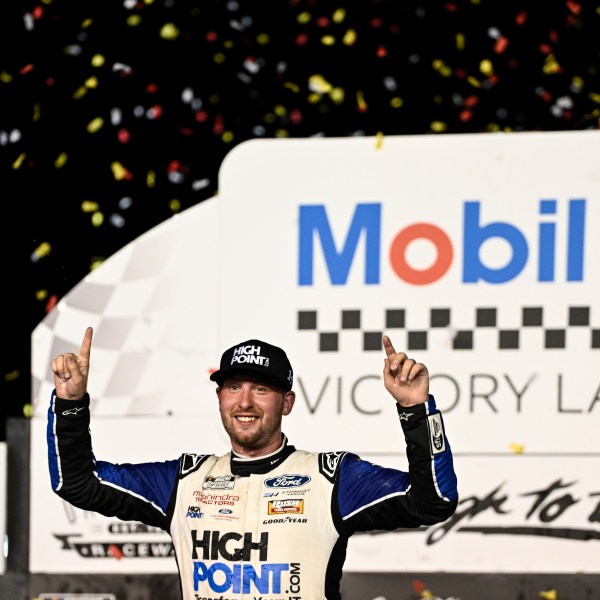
(442, 332)
(144, 308)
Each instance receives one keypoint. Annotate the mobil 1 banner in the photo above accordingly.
(477, 254)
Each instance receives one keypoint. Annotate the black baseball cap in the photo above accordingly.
(258, 357)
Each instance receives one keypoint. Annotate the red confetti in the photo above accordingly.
(211, 36)
(201, 116)
(521, 18)
(116, 551)
(574, 7)
(174, 165)
(545, 48)
(418, 586)
(323, 22)
(301, 39)
(465, 115)
(26, 69)
(471, 101)
(381, 52)
(152, 88)
(51, 302)
(155, 112)
(38, 12)
(123, 136)
(450, 7)
(376, 22)
(500, 45)
(296, 117)
(218, 127)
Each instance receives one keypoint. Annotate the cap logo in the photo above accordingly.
(249, 355)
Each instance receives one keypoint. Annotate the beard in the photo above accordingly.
(253, 438)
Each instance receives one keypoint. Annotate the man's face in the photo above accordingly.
(251, 411)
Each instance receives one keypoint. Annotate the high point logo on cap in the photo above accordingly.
(249, 355)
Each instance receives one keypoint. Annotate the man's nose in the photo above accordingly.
(246, 397)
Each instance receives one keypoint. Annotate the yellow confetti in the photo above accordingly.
(396, 102)
(473, 81)
(549, 595)
(442, 68)
(18, 161)
(91, 82)
(175, 205)
(80, 92)
(89, 206)
(134, 20)
(41, 295)
(263, 39)
(151, 179)
(61, 160)
(227, 137)
(291, 86)
(337, 94)
(95, 125)
(339, 15)
(551, 65)
(438, 126)
(318, 83)
(98, 60)
(349, 37)
(314, 98)
(485, 66)
(41, 251)
(228, 44)
(12, 375)
(282, 133)
(328, 40)
(118, 170)
(97, 219)
(169, 31)
(86, 23)
(303, 18)
(96, 263)
(36, 112)
(594, 97)
(27, 410)
(379, 140)
(219, 58)
(516, 448)
(427, 594)
(460, 41)
(280, 110)
(5, 77)
(360, 100)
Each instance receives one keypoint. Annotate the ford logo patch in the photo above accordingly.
(287, 481)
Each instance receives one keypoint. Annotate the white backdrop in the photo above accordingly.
(478, 254)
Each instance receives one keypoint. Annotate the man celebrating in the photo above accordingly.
(266, 519)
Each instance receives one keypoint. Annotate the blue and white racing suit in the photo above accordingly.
(272, 528)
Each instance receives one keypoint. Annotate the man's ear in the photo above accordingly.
(288, 402)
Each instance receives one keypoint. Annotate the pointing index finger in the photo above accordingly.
(86, 345)
(388, 346)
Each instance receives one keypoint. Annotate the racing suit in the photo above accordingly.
(274, 527)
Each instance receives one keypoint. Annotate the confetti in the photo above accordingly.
(90, 102)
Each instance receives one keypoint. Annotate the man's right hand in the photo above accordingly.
(71, 370)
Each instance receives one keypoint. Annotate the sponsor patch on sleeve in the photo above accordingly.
(437, 441)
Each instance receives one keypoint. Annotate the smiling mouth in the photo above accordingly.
(246, 419)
